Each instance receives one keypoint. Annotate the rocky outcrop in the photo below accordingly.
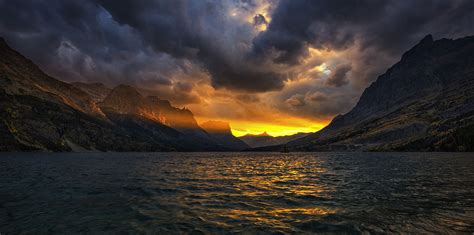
(425, 102)
(222, 133)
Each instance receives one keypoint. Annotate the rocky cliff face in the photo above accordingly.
(425, 102)
(178, 118)
(129, 104)
(222, 133)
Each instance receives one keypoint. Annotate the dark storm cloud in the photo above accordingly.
(149, 42)
(389, 25)
(339, 76)
(197, 30)
(74, 40)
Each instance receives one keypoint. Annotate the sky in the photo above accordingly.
(281, 66)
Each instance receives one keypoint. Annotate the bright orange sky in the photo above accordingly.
(287, 126)
(273, 112)
(255, 113)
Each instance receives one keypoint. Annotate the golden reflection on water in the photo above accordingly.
(238, 193)
(280, 212)
(275, 216)
(271, 191)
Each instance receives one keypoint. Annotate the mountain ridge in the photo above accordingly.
(41, 113)
(264, 139)
(424, 102)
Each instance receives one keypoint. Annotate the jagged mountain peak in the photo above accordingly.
(427, 39)
(263, 134)
(418, 50)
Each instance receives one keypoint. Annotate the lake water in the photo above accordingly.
(236, 193)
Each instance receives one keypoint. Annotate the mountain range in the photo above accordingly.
(425, 102)
(41, 113)
(264, 139)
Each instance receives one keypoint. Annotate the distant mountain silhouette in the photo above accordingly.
(38, 112)
(425, 102)
(265, 139)
(222, 133)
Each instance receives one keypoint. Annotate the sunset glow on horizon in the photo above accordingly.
(284, 127)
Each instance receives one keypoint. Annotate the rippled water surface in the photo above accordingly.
(237, 193)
